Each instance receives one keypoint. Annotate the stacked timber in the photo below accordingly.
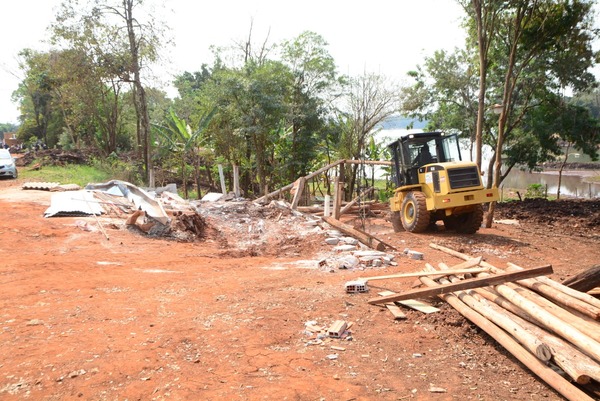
(552, 329)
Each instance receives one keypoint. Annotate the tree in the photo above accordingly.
(314, 85)
(370, 100)
(124, 42)
(444, 93)
(485, 15)
(546, 37)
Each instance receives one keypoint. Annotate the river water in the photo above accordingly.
(573, 183)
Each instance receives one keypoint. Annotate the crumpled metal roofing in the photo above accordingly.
(140, 198)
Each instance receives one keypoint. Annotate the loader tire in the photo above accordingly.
(396, 223)
(469, 223)
(414, 214)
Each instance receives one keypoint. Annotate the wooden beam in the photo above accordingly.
(432, 275)
(466, 284)
(363, 237)
(290, 186)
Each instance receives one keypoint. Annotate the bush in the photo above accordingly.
(535, 191)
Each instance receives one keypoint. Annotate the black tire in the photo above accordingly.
(450, 222)
(415, 217)
(396, 223)
(469, 223)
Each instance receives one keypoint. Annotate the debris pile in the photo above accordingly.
(54, 157)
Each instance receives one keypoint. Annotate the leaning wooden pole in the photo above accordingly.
(554, 380)
(363, 237)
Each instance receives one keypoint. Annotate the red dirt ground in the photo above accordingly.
(137, 318)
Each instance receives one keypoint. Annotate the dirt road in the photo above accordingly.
(137, 318)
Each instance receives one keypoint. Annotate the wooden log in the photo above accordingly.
(368, 162)
(555, 324)
(584, 324)
(501, 319)
(558, 296)
(580, 367)
(586, 280)
(466, 284)
(582, 296)
(553, 379)
(363, 237)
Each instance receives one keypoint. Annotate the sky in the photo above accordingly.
(389, 37)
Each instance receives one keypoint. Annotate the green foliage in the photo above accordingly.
(535, 191)
(70, 174)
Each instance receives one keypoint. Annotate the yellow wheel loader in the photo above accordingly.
(434, 184)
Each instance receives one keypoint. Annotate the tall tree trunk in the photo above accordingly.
(483, 46)
(140, 93)
(560, 170)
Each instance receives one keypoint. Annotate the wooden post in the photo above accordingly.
(327, 209)
(222, 178)
(236, 180)
(298, 194)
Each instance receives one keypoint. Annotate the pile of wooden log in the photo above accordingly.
(552, 329)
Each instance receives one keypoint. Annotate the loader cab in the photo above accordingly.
(413, 151)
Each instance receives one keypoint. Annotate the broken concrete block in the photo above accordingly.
(415, 255)
(349, 240)
(343, 248)
(332, 240)
(369, 253)
(377, 263)
(336, 330)
(348, 262)
(356, 286)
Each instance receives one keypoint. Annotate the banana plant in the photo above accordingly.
(180, 139)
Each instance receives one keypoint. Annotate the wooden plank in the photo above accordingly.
(411, 303)
(353, 201)
(393, 308)
(419, 305)
(466, 284)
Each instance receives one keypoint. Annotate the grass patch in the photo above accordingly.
(70, 174)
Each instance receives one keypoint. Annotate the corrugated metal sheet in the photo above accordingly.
(73, 203)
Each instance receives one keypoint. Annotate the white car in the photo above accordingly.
(8, 167)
